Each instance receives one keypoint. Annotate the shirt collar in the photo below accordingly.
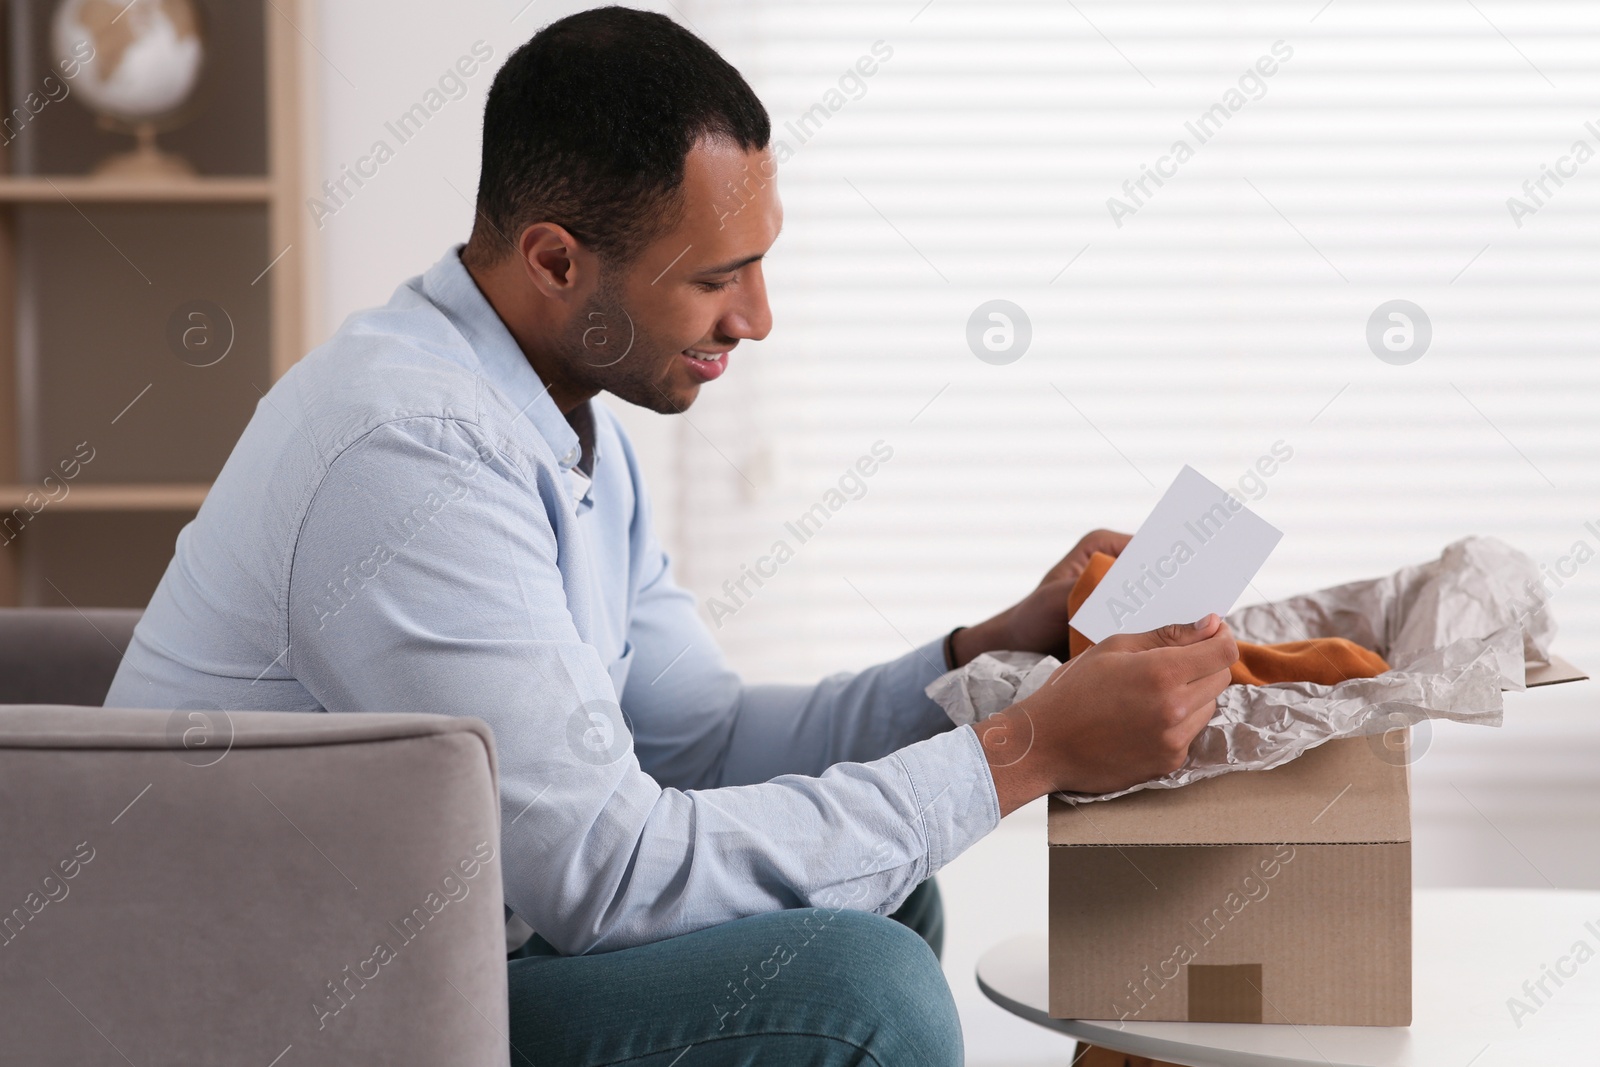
(451, 288)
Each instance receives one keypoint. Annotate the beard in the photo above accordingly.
(609, 350)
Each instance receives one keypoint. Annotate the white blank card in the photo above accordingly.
(1193, 555)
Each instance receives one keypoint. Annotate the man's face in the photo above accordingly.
(661, 326)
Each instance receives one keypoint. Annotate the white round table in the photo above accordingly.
(1473, 950)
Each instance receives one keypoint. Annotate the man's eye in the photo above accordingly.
(712, 287)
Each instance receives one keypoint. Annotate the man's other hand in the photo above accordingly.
(1038, 623)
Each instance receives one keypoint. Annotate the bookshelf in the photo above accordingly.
(112, 424)
(75, 189)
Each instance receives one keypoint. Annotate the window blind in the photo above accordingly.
(1209, 304)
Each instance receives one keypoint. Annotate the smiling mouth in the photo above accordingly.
(707, 366)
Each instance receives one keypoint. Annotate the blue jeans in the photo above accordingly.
(812, 986)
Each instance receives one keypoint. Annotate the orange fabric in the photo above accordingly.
(1325, 660)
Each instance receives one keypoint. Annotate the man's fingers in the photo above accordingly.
(1192, 652)
(1203, 692)
(1111, 542)
(1200, 697)
(1173, 636)
(1204, 656)
(1195, 724)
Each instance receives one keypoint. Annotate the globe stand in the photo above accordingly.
(146, 162)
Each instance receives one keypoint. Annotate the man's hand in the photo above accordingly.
(1122, 713)
(1038, 623)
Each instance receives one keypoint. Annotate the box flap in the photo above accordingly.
(1354, 789)
(1557, 670)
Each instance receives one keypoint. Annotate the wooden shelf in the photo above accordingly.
(176, 496)
(78, 188)
(94, 271)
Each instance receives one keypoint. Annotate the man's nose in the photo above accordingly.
(751, 317)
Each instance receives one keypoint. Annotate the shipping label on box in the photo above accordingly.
(1279, 896)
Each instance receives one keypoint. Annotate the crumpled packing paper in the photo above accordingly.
(1455, 631)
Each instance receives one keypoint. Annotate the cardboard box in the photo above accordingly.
(1279, 896)
(1269, 896)
(1557, 670)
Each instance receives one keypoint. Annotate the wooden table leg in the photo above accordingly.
(1095, 1056)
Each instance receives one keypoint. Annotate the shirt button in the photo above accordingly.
(571, 457)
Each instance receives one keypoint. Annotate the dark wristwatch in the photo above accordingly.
(950, 648)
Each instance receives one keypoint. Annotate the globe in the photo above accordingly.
(146, 60)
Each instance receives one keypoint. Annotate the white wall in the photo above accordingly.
(376, 60)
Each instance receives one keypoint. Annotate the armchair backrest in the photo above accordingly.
(249, 887)
(61, 655)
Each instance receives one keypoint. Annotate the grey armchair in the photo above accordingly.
(61, 655)
(257, 888)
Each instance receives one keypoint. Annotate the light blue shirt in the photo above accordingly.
(406, 525)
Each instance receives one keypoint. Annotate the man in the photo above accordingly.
(430, 513)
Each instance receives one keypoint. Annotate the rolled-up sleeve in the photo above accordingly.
(428, 575)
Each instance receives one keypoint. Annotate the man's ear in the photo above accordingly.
(557, 263)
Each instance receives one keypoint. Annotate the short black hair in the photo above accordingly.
(588, 124)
